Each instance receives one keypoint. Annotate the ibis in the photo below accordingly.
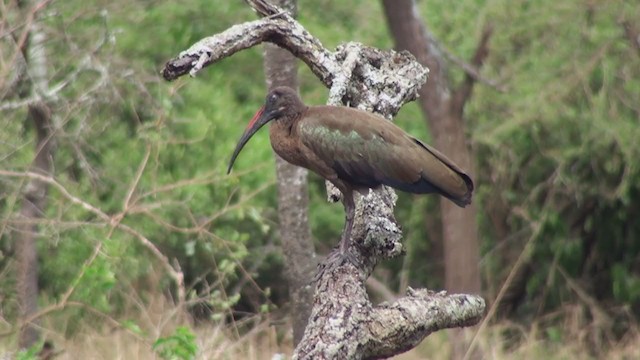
(355, 150)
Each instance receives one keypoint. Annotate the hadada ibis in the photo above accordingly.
(355, 150)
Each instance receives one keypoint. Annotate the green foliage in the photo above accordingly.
(133, 327)
(181, 345)
(183, 202)
(557, 152)
(556, 157)
(30, 353)
(625, 283)
(554, 334)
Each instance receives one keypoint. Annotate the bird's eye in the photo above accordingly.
(273, 97)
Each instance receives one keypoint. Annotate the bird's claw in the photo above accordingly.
(343, 256)
(337, 258)
(352, 258)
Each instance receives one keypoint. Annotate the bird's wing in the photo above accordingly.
(362, 149)
(367, 150)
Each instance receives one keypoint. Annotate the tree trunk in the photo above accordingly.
(293, 199)
(443, 107)
(35, 193)
(33, 204)
(444, 117)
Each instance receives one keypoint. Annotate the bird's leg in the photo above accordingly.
(345, 240)
(342, 254)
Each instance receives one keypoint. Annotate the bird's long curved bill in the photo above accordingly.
(258, 120)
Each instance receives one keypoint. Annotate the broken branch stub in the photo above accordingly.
(344, 324)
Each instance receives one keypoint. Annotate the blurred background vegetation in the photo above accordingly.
(558, 180)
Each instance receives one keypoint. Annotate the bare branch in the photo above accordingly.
(462, 94)
(521, 261)
(474, 72)
(281, 30)
(20, 45)
(134, 184)
(382, 80)
(51, 93)
(632, 34)
(18, 104)
(113, 221)
(400, 326)
(83, 270)
(363, 331)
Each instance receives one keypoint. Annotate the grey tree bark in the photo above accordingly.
(343, 322)
(293, 199)
(34, 196)
(443, 106)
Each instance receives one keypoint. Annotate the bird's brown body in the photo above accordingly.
(355, 150)
(360, 150)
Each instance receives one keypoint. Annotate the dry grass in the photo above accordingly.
(212, 342)
(261, 340)
(263, 344)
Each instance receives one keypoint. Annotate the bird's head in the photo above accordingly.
(281, 102)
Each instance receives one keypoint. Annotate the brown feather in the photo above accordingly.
(360, 149)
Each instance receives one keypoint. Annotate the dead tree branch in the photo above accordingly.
(463, 92)
(473, 70)
(343, 323)
(380, 86)
(113, 221)
(632, 34)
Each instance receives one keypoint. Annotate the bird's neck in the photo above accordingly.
(286, 124)
(283, 134)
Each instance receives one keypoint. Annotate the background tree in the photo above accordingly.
(443, 107)
(30, 86)
(293, 198)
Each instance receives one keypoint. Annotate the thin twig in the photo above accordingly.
(522, 259)
(136, 180)
(472, 70)
(463, 93)
(22, 40)
(113, 221)
(65, 297)
(632, 34)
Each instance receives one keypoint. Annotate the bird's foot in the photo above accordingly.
(341, 256)
(337, 258)
(344, 252)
